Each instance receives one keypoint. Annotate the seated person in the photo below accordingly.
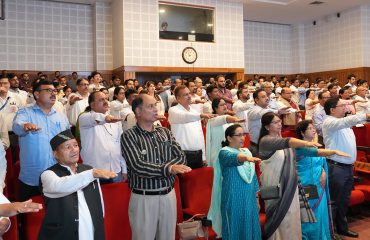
(74, 205)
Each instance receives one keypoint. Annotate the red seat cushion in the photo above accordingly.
(365, 189)
(33, 221)
(357, 197)
(12, 233)
(116, 200)
(196, 190)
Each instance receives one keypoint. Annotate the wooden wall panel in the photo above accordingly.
(341, 74)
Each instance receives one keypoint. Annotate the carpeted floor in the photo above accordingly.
(359, 221)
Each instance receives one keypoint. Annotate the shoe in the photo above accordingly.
(336, 237)
(349, 233)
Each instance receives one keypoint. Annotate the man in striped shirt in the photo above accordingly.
(153, 159)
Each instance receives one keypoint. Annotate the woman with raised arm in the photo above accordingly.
(285, 199)
(234, 204)
(216, 127)
(312, 174)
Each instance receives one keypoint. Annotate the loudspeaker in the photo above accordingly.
(314, 23)
(338, 15)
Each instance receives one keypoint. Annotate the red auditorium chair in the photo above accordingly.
(116, 200)
(247, 141)
(289, 133)
(9, 179)
(33, 221)
(357, 197)
(12, 233)
(16, 170)
(196, 192)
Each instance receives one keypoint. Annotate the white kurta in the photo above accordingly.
(73, 111)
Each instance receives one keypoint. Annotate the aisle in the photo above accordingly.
(360, 222)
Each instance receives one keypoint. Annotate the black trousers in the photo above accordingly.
(194, 159)
(340, 186)
(26, 191)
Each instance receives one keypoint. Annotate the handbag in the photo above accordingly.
(270, 192)
(191, 229)
(311, 192)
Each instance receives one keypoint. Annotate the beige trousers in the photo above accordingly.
(153, 216)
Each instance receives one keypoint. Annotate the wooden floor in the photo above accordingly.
(359, 221)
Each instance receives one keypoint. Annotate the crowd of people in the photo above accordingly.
(146, 134)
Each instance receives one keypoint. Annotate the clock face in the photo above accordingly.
(189, 55)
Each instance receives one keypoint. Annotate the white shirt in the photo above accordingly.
(207, 107)
(295, 94)
(310, 108)
(73, 111)
(2, 168)
(111, 92)
(254, 121)
(318, 118)
(187, 128)
(100, 142)
(241, 111)
(362, 107)
(128, 118)
(4, 136)
(338, 135)
(20, 94)
(196, 106)
(116, 107)
(171, 100)
(92, 87)
(10, 109)
(54, 186)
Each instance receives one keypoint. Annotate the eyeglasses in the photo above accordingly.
(49, 90)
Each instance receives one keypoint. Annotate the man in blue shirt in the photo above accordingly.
(338, 135)
(35, 126)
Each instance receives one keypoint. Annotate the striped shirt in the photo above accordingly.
(149, 156)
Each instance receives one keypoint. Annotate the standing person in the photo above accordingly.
(216, 127)
(338, 135)
(95, 82)
(362, 107)
(313, 171)
(4, 144)
(285, 212)
(187, 128)
(73, 81)
(116, 83)
(100, 137)
(319, 114)
(234, 204)
(35, 126)
(294, 116)
(14, 89)
(150, 86)
(153, 158)
(119, 102)
(74, 206)
(242, 106)
(254, 117)
(78, 101)
(25, 83)
(224, 93)
(310, 104)
(302, 89)
(212, 93)
(351, 83)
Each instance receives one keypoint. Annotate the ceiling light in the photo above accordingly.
(210, 24)
(162, 10)
(192, 31)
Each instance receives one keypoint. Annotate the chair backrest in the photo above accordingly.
(116, 200)
(16, 170)
(33, 221)
(360, 133)
(12, 233)
(196, 190)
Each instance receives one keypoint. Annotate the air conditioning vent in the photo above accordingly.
(316, 3)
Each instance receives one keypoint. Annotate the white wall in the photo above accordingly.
(43, 35)
(268, 48)
(117, 11)
(334, 43)
(142, 46)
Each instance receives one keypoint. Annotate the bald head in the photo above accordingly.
(361, 91)
(286, 93)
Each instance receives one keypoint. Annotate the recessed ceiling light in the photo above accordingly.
(162, 10)
(192, 31)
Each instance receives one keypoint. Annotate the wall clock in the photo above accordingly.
(189, 55)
